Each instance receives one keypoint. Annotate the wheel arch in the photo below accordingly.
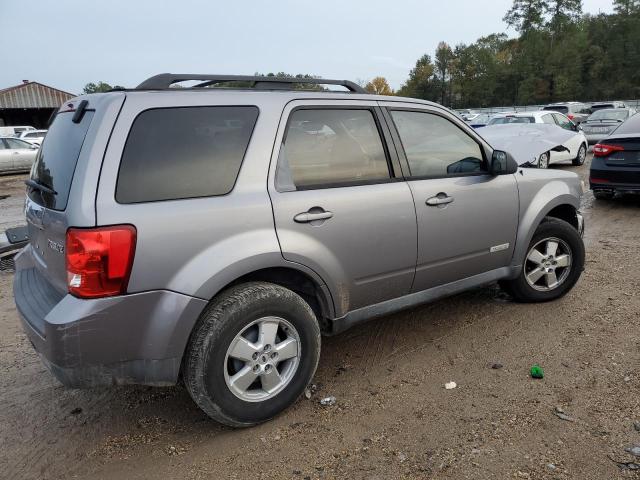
(562, 205)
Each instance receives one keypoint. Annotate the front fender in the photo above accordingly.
(537, 199)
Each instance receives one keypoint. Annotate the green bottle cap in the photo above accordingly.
(536, 371)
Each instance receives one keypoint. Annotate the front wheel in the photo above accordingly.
(252, 353)
(543, 161)
(552, 266)
(582, 155)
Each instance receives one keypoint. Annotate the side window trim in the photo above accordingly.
(391, 156)
(403, 157)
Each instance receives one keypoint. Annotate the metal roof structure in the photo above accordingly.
(33, 95)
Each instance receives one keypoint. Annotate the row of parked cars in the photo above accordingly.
(18, 147)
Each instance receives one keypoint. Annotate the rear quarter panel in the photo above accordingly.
(197, 246)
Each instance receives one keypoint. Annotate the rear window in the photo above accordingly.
(184, 152)
(57, 158)
(557, 108)
(600, 106)
(505, 120)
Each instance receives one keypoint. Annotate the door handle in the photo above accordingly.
(440, 199)
(16, 153)
(308, 217)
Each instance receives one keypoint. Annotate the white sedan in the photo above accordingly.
(16, 155)
(572, 140)
(33, 136)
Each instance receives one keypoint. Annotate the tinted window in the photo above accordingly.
(57, 158)
(600, 106)
(188, 152)
(547, 118)
(331, 148)
(513, 119)
(434, 146)
(557, 108)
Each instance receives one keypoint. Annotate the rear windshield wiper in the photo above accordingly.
(39, 186)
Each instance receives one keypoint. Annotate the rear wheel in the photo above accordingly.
(552, 266)
(543, 161)
(253, 352)
(582, 155)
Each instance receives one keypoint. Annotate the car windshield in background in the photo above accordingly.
(609, 114)
(57, 158)
(557, 108)
(510, 120)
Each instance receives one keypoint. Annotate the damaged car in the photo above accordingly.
(539, 139)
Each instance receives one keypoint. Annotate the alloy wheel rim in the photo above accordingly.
(582, 154)
(548, 264)
(262, 359)
(544, 160)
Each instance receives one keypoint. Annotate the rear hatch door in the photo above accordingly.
(48, 190)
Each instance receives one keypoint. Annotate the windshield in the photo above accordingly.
(609, 114)
(509, 120)
(57, 158)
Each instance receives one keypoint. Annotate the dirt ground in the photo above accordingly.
(393, 417)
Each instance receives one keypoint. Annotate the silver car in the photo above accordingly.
(212, 235)
(16, 155)
(602, 122)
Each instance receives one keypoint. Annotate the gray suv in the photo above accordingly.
(212, 235)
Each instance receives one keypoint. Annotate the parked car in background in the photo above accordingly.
(14, 131)
(480, 121)
(16, 155)
(278, 216)
(577, 112)
(603, 105)
(602, 122)
(33, 136)
(572, 139)
(616, 161)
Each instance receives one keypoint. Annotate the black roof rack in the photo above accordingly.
(165, 80)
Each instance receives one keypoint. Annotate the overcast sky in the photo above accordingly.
(68, 43)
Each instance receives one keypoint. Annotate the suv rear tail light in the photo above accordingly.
(99, 260)
(570, 117)
(602, 149)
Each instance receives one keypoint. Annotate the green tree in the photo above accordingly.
(626, 7)
(420, 83)
(99, 87)
(443, 65)
(525, 15)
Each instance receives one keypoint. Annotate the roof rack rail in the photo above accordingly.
(165, 80)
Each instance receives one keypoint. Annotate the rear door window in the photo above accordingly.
(329, 148)
(184, 152)
(57, 158)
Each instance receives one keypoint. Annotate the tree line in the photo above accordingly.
(560, 54)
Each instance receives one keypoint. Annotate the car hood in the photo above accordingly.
(526, 142)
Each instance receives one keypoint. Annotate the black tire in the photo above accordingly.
(582, 155)
(544, 159)
(603, 194)
(227, 316)
(520, 289)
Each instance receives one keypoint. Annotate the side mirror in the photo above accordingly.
(502, 163)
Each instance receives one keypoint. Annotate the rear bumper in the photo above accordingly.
(594, 138)
(138, 338)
